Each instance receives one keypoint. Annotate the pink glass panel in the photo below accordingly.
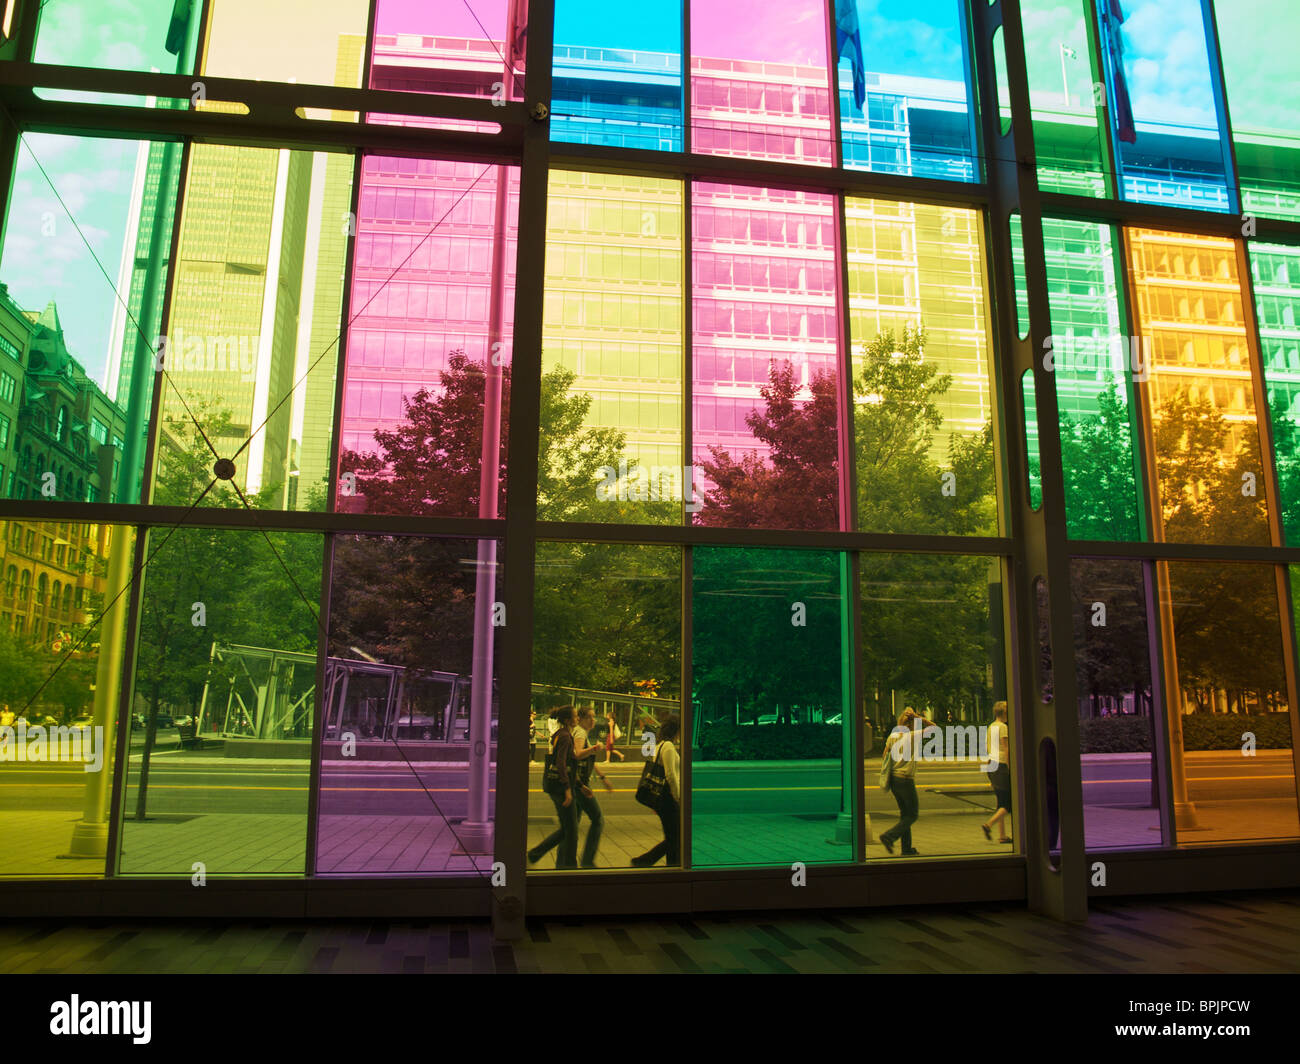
(760, 81)
(451, 47)
(765, 318)
(429, 325)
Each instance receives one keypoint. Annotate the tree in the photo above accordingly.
(431, 463)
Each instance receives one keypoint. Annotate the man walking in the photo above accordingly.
(904, 746)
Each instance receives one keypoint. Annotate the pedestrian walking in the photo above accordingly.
(903, 747)
(585, 759)
(666, 755)
(532, 737)
(999, 770)
(558, 783)
(612, 734)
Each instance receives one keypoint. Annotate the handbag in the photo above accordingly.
(886, 780)
(653, 786)
(550, 771)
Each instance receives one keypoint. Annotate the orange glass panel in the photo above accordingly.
(1194, 354)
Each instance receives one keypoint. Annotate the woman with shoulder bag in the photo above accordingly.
(558, 781)
(670, 804)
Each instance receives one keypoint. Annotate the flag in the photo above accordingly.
(1113, 17)
(848, 42)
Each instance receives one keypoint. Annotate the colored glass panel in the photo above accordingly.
(1120, 733)
(472, 48)
(933, 641)
(276, 40)
(765, 358)
(1230, 723)
(252, 347)
(760, 81)
(410, 685)
(923, 404)
(1201, 392)
(1063, 103)
(612, 350)
(1255, 42)
(1093, 365)
(904, 86)
(1275, 270)
(606, 637)
(616, 77)
(62, 626)
(1029, 402)
(80, 313)
(226, 663)
(429, 336)
(1168, 125)
(772, 777)
(158, 35)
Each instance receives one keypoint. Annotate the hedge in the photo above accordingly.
(769, 742)
(1201, 731)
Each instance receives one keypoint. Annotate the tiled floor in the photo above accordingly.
(1246, 932)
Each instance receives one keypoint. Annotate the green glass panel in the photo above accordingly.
(1035, 469)
(933, 640)
(1275, 269)
(219, 762)
(1000, 71)
(62, 623)
(607, 635)
(150, 35)
(82, 276)
(1062, 98)
(1257, 46)
(1022, 285)
(772, 774)
(1093, 364)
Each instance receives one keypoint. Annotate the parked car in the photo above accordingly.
(83, 720)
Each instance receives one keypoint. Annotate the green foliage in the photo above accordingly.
(1115, 735)
(750, 660)
(1201, 731)
(1100, 480)
(726, 741)
(1223, 731)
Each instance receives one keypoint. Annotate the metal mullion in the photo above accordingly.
(27, 19)
(267, 101)
(1259, 388)
(328, 538)
(761, 173)
(1288, 628)
(1106, 142)
(153, 434)
(368, 56)
(686, 737)
(687, 138)
(125, 697)
(1228, 146)
(853, 715)
(833, 74)
(315, 770)
(1162, 216)
(688, 348)
(1161, 732)
(1040, 535)
(510, 837)
(1141, 434)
